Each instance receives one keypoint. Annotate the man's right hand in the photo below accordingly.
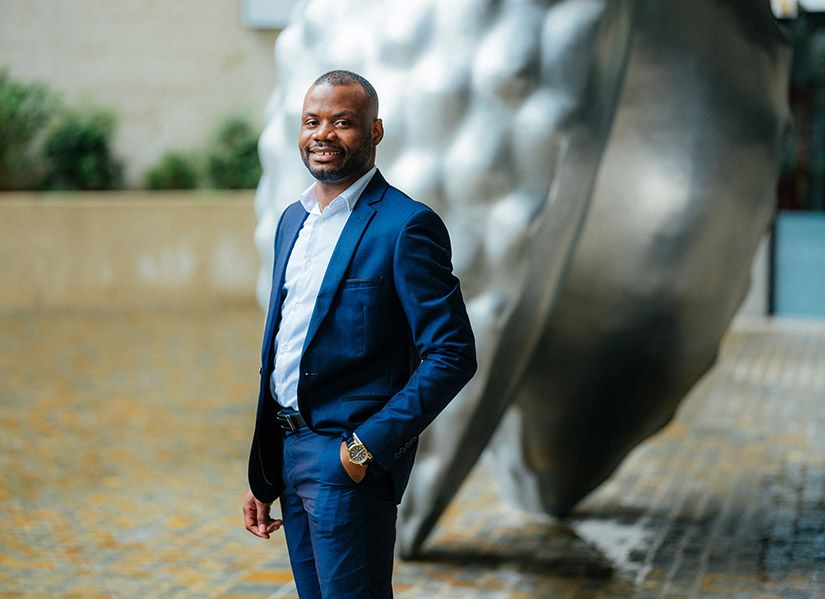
(256, 517)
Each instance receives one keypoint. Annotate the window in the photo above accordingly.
(266, 14)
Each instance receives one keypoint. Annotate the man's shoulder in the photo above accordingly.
(295, 208)
(294, 212)
(399, 204)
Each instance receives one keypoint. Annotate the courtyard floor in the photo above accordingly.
(123, 440)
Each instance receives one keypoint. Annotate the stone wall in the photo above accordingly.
(129, 250)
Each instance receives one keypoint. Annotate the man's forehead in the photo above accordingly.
(337, 106)
(350, 91)
(338, 113)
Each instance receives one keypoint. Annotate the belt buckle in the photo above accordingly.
(286, 419)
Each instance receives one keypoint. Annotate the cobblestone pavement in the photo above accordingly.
(123, 442)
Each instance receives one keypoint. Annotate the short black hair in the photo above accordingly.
(340, 77)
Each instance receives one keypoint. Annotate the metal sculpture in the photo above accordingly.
(685, 191)
(497, 113)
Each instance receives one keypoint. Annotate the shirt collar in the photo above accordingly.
(350, 195)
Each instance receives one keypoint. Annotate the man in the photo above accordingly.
(366, 340)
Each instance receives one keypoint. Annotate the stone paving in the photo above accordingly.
(123, 440)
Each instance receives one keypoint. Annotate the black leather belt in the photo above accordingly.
(290, 420)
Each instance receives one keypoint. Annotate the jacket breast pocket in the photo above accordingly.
(364, 305)
(364, 282)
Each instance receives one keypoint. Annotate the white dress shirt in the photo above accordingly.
(305, 272)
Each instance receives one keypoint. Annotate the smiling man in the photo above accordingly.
(367, 339)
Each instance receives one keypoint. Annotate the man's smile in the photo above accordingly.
(324, 154)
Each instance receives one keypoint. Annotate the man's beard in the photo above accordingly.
(353, 163)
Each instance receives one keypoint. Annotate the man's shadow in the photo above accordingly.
(543, 550)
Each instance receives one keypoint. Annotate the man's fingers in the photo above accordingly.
(254, 530)
(249, 515)
(273, 526)
(256, 518)
(263, 515)
(251, 522)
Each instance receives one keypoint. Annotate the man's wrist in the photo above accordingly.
(357, 452)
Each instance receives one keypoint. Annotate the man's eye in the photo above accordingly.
(310, 123)
(342, 123)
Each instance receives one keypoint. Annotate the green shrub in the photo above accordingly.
(78, 150)
(174, 171)
(25, 111)
(234, 164)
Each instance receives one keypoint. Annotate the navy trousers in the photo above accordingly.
(340, 534)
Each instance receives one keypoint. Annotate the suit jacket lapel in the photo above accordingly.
(293, 220)
(291, 227)
(344, 252)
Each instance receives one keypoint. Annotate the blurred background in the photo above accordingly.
(129, 331)
(798, 235)
(160, 96)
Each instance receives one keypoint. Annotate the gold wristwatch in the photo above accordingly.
(357, 452)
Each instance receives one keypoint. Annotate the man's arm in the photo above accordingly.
(430, 296)
(256, 513)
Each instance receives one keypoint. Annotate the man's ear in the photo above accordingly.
(377, 131)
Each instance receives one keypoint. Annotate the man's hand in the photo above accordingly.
(355, 472)
(256, 517)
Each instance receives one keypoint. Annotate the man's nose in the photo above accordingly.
(324, 131)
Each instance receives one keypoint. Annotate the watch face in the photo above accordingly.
(358, 454)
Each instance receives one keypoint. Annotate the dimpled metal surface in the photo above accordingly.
(495, 115)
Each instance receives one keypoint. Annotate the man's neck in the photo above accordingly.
(325, 192)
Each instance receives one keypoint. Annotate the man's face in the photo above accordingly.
(339, 133)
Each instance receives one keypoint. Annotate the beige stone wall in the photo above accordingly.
(171, 70)
(128, 250)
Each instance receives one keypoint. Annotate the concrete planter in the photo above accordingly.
(126, 250)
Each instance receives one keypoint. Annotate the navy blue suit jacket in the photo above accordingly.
(389, 342)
